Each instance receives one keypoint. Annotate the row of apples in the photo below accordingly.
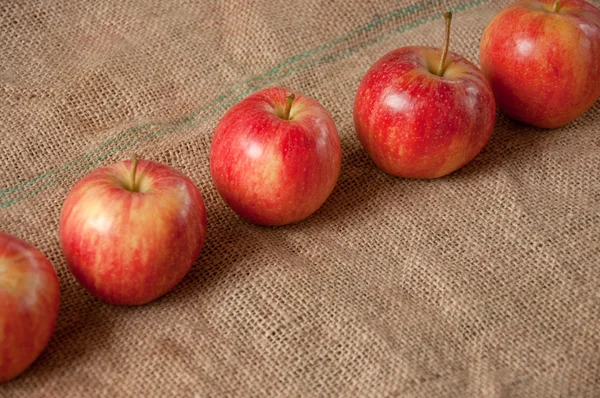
(131, 231)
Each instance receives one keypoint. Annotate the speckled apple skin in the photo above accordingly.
(129, 248)
(273, 171)
(543, 66)
(416, 124)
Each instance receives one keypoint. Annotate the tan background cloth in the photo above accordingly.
(481, 284)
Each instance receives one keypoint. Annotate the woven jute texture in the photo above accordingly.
(484, 283)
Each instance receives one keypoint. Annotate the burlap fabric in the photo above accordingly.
(480, 284)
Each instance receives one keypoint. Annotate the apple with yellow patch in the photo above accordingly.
(542, 58)
(275, 157)
(131, 231)
(29, 301)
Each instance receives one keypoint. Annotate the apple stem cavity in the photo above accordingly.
(134, 160)
(448, 18)
(556, 6)
(289, 99)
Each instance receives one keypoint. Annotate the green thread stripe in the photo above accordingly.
(409, 10)
(422, 5)
(131, 136)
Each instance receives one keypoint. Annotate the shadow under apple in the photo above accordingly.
(516, 146)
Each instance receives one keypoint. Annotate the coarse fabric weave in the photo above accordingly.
(484, 283)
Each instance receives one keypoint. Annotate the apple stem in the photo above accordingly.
(448, 18)
(134, 161)
(556, 6)
(289, 99)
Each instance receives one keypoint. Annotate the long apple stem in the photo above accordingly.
(289, 99)
(448, 18)
(556, 6)
(134, 161)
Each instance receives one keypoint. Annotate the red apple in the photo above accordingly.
(131, 231)
(421, 112)
(275, 157)
(29, 298)
(542, 58)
